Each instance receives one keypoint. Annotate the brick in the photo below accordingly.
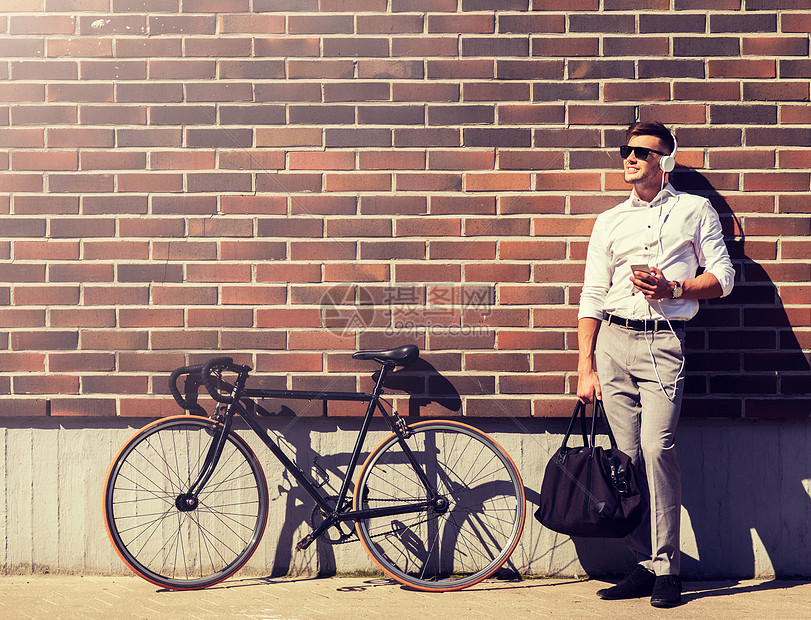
(474, 205)
(565, 46)
(391, 160)
(45, 384)
(322, 68)
(320, 24)
(44, 70)
(462, 160)
(778, 226)
(741, 159)
(112, 295)
(795, 159)
(81, 228)
(529, 69)
(650, 69)
(741, 68)
(220, 227)
(393, 205)
(460, 68)
(133, 92)
(390, 69)
(425, 92)
(577, 181)
(44, 115)
(563, 5)
(799, 115)
(774, 136)
(777, 181)
(112, 160)
(40, 250)
(255, 159)
(391, 115)
(713, 136)
(285, 92)
(706, 46)
(775, 91)
(531, 23)
(743, 23)
(289, 182)
(667, 23)
(511, 205)
(290, 227)
(389, 24)
(430, 272)
(532, 250)
(424, 47)
(497, 137)
(361, 138)
(150, 273)
(601, 69)
(495, 46)
(428, 227)
(627, 46)
(462, 250)
(410, 138)
(353, 47)
(531, 114)
(796, 22)
(51, 340)
(774, 46)
(497, 181)
(41, 24)
(743, 114)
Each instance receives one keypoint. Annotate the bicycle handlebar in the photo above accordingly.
(217, 363)
(203, 373)
(173, 389)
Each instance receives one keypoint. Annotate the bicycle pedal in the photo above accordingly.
(305, 542)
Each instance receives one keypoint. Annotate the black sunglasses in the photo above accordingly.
(640, 152)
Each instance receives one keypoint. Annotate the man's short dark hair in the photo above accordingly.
(652, 128)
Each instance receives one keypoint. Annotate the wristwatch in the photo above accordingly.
(677, 290)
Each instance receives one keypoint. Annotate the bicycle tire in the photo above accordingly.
(184, 550)
(442, 551)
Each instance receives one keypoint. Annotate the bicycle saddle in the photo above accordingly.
(401, 356)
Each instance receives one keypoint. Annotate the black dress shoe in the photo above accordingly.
(639, 582)
(666, 591)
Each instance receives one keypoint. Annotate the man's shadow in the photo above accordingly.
(746, 508)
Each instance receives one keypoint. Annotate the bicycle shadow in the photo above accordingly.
(745, 365)
(420, 382)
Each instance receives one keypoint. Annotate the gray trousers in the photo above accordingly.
(644, 420)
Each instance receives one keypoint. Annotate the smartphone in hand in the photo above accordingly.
(644, 268)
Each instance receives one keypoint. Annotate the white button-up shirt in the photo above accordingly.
(676, 232)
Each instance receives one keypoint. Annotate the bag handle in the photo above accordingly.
(579, 411)
(599, 412)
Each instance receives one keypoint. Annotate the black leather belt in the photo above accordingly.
(643, 325)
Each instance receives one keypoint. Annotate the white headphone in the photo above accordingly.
(668, 162)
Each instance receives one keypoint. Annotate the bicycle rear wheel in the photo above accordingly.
(184, 549)
(441, 549)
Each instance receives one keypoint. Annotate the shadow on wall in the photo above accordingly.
(741, 481)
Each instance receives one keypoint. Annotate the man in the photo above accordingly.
(631, 337)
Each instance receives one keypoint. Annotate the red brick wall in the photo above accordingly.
(188, 177)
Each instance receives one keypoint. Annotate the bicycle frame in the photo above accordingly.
(242, 396)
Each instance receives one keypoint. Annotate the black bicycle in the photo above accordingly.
(438, 505)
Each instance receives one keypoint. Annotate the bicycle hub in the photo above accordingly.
(186, 502)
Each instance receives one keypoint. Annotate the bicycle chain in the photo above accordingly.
(345, 538)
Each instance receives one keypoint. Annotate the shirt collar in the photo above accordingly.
(638, 202)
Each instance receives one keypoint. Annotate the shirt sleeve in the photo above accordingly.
(597, 278)
(712, 251)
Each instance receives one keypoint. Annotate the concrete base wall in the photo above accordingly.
(746, 488)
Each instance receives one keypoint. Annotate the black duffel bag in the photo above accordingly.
(591, 491)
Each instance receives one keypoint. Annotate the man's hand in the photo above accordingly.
(652, 285)
(588, 385)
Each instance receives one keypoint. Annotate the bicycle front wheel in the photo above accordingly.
(466, 536)
(194, 547)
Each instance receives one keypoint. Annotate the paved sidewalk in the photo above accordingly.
(110, 598)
